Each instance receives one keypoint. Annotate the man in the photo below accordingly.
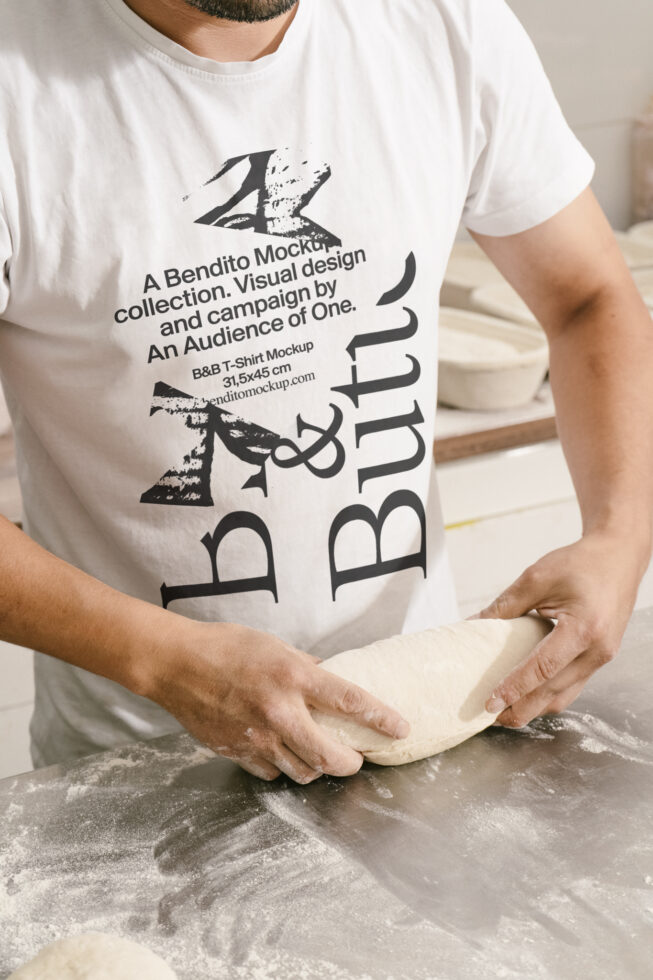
(224, 226)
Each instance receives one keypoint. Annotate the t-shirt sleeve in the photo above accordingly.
(527, 163)
(5, 256)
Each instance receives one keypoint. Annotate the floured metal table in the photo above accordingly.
(514, 855)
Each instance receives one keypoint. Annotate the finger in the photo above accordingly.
(310, 657)
(336, 696)
(322, 753)
(258, 766)
(266, 756)
(291, 764)
(564, 699)
(524, 594)
(313, 659)
(548, 659)
(571, 678)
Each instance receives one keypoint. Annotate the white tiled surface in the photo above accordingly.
(504, 482)
(487, 555)
(503, 511)
(598, 57)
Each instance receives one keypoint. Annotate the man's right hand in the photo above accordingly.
(244, 693)
(247, 695)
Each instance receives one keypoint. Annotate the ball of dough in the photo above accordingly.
(95, 956)
(438, 679)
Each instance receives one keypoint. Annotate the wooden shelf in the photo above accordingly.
(448, 449)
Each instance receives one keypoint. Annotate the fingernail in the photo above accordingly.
(495, 706)
(402, 729)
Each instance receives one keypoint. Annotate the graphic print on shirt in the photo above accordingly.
(282, 187)
(294, 285)
(190, 481)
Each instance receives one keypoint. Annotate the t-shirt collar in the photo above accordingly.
(170, 51)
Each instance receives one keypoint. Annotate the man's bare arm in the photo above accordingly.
(244, 692)
(571, 273)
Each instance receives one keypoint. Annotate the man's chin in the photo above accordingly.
(243, 11)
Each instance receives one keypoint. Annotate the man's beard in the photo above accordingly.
(246, 11)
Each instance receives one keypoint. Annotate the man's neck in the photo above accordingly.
(212, 37)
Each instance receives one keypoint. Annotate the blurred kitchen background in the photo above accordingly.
(506, 492)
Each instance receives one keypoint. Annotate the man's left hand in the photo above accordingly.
(590, 588)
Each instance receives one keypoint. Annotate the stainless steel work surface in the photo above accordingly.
(517, 854)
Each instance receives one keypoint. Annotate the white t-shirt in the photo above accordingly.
(220, 309)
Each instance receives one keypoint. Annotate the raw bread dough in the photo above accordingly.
(439, 680)
(95, 956)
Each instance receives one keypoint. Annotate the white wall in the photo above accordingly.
(598, 55)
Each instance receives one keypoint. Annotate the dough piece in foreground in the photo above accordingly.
(438, 679)
(94, 956)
